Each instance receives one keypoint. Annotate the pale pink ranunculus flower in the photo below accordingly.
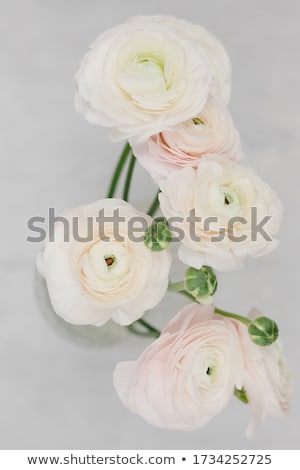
(266, 378)
(150, 73)
(210, 132)
(188, 375)
(220, 207)
(111, 275)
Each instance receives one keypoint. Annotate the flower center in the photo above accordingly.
(198, 121)
(228, 199)
(109, 260)
(144, 78)
(223, 200)
(209, 370)
(105, 262)
(229, 196)
(150, 61)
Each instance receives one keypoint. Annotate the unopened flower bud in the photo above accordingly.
(263, 331)
(158, 236)
(201, 284)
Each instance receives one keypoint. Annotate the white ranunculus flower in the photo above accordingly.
(240, 214)
(188, 375)
(266, 378)
(149, 74)
(210, 132)
(91, 281)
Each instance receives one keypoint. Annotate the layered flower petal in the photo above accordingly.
(187, 375)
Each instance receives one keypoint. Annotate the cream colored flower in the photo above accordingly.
(108, 276)
(235, 213)
(148, 74)
(210, 132)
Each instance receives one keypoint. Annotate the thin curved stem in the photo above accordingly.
(154, 206)
(129, 177)
(244, 320)
(187, 294)
(118, 170)
(176, 287)
(150, 330)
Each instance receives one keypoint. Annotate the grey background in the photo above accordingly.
(56, 383)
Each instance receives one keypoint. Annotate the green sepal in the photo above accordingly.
(158, 237)
(263, 331)
(201, 283)
(241, 395)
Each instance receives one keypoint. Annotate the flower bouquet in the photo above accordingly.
(162, 85)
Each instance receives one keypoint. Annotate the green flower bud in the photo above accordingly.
(241, 395)
(263, 331)
(158, 236)
(201, 283)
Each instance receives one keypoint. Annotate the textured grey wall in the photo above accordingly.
(56, 390)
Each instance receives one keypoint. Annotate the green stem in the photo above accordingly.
(179, 287)
(152, 331)
(187, 294)
(154, 206)
(129, 178)
(118, 170)
(244, 320)
(176, 287)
